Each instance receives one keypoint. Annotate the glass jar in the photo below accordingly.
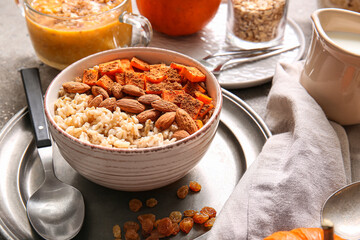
(255, 24)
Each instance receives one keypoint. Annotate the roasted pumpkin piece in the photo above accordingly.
(191, 106)
(90, 76)
(167, 85)
(203, 97)
(155, 77)
(105, 82)
(154, 88)
(191, 88)
(120, 78)
(171, 95)
(177, 66)
(135, 78)
(205, 109)
(193, 74)
(139, 64)
(110, 68)
(173, 75)
(126, 66)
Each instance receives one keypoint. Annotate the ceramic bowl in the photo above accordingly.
(133, 169)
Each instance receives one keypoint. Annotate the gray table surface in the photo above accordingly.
(16, 52)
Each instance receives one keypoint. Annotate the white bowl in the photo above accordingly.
(133, 169)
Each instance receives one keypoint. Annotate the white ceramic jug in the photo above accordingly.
(331, 73)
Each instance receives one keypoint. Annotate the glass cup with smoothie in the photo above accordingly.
(63, 32)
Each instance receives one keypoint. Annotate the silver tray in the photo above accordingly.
(238, 141)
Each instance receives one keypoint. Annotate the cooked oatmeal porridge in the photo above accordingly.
(131, 104)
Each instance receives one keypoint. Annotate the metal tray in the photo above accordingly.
(238, 141)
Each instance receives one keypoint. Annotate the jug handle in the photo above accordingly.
(20, 4)
(141, 24)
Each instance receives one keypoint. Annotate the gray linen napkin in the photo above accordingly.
(306, 159)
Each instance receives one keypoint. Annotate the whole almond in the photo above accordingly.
(95, 102)
(91, 97)
(130, 105)
(165, 121)
(133, 90)
(96, 90)
(116, 90)
(185, 122)
(180, 134)
(109, 103)
(148, 98)
(151, 114)
(75, 87)
(164, 106)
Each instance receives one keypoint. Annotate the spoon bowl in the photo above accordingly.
(342, 208)
(56, 210)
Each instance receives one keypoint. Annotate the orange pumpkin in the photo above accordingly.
(300, 234)
(178, 17)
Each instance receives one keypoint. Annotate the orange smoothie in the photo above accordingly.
(63, 32)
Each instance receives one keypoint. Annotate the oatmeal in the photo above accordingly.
(114, 104)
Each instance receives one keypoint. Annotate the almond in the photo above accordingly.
(133, 90)
(75, 87)
(96, 90)
(164, 106)
(165, 121)
(130, 105)
(180, 134)
(109, 103)
(148, 98)
(185, 122)
(151, 114)
(116, 90)
(95, 102)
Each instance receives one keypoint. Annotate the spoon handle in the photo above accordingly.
(34, 97)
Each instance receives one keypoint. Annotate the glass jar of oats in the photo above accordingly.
(353, 5)
(253, 24)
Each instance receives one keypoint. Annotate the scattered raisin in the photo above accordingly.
(186, 224)
(209, 223)
(175, 216)
(194, 186)
(117, 231)
(151, 202)
(131, 234)
(165, 227)
(211, 212)
(182, 192)
(147, 226)
(176, 228)
(189, 213)
(135, 205)
(131, 225)
(200, 218)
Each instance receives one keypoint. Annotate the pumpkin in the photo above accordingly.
(178, 17)
(300, 234)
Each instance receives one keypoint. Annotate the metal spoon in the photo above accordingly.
(342, 208)
(56, 210)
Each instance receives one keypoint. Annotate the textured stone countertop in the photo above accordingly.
(16, 52)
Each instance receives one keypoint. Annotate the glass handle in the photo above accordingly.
(144, 29)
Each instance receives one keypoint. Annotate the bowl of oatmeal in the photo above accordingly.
(134, 119)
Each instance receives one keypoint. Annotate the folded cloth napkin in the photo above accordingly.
(306, 159)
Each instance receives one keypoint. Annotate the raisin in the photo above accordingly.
(117, 231)
(189, 213)
(209, 223)
(186, 224)
(165, 227)
(151, 202)
(182, 192)
(143, 217)
(194, 186)
(147, 226)
(131, 234)
(200, 218)
(135, 205)
(131, 225)
(176, 228)
(175, 216)
(211, 212)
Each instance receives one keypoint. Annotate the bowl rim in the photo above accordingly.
(192, 137)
